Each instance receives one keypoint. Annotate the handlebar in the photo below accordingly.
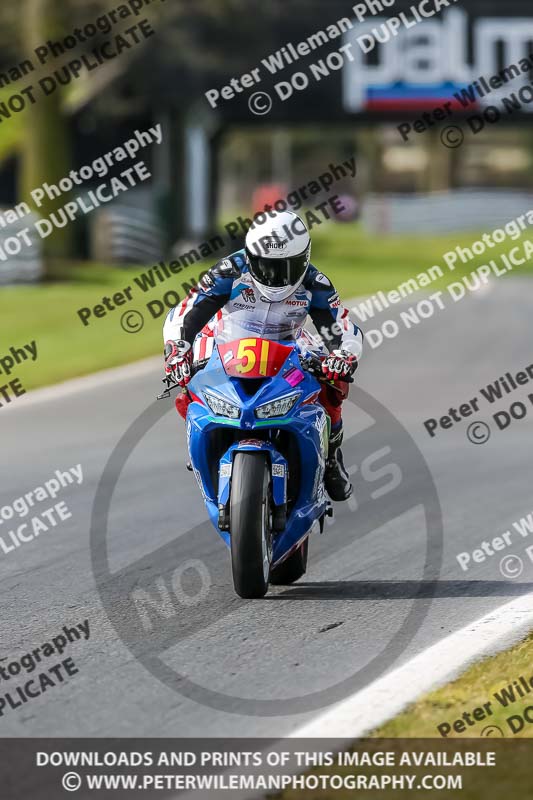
(170, 385)
(311, 364)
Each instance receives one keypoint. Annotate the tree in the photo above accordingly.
(197, 45)
(46, 152)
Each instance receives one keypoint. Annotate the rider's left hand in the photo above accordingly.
(339, 366)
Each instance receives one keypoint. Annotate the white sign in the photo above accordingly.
(431, 55)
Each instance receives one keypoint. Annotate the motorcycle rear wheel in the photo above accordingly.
(250, 530)
(292, 568)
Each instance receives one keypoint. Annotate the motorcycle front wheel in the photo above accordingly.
(250, 530)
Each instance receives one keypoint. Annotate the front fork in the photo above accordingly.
(279, 473)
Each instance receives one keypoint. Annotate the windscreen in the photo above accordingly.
(277, 327)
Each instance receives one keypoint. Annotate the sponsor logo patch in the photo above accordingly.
(248, 295)
(275, 243)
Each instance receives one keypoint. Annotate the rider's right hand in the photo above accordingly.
(178, 361)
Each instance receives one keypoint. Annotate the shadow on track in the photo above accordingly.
(400, 590)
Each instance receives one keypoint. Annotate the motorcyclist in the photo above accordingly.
(269, 288)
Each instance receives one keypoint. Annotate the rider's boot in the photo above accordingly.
(336, 478)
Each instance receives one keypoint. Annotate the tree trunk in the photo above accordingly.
(46, 153)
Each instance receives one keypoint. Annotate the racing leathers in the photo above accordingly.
(227, 296)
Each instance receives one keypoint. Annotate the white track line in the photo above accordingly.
(380, 701)
(386, 697)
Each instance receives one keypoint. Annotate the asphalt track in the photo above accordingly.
(365, 571)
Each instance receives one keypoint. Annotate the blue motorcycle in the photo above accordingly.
(258, 441)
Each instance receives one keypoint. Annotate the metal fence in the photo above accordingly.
(27, 266)
(128, 233)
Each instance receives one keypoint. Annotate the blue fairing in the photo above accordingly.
(214, 440)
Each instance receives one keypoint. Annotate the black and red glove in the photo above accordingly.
(178, 361)
(339, 366)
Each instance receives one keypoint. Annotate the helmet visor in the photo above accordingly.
(278, 272)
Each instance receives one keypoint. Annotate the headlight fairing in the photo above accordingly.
(221, 407)
(277, 408)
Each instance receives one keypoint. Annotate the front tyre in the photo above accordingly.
(250, 530)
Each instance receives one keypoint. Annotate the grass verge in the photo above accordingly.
(489, 686)
(356, 262)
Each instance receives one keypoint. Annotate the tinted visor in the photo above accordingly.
(278, 272)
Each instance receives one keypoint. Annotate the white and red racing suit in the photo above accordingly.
(227, 290)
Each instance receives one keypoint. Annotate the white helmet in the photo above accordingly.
(278, 252)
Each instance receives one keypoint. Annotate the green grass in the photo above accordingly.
(472, 690)
(67, 348)
(360, 264)
(357, 263)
